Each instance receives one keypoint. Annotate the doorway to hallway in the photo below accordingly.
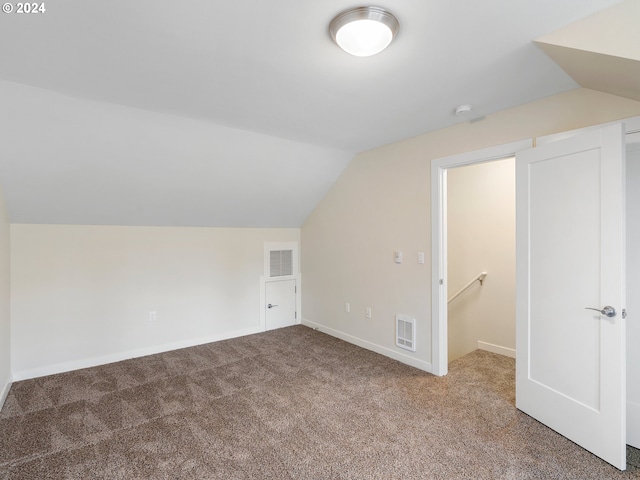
(442, 286)
(480, 219)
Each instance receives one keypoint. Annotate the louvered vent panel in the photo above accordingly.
(406, 332)
(280, 263)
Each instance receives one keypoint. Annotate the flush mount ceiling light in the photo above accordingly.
(364, 31)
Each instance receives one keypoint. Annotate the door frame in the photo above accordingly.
(632, 125)
(439, 338)
(439, 281)
(633, 328)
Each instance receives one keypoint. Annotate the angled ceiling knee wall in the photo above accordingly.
(601, 52)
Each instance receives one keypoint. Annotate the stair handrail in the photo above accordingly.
(478, 278)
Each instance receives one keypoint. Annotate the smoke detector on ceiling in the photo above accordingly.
(463, 109)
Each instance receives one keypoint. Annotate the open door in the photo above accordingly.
(570, 249)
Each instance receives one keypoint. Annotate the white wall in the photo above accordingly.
(481, 237)
(381, 204)
(81, 295)
(5, 300)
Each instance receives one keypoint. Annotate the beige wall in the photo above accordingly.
(381, 203)
(481, 237)
(594, 33)
(81, 295)
(5, 332)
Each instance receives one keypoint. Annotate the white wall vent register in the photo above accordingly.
(280, 263)
(406, 332)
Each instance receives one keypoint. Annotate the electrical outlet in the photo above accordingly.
(347, 307)
(152, 316)
(367, 312)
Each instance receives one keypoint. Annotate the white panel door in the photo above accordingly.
(570, 229)
(280, 304)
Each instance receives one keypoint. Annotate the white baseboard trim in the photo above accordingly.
(490, 347)
(117, 357)
(387, 352)
(633, 424)
(4, 392)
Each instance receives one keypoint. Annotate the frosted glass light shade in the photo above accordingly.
(363, 38)
(364, 31)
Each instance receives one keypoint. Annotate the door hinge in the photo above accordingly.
(295, 315)
(624, 313)
(295, 289)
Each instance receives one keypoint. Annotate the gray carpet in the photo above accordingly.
(288, 404)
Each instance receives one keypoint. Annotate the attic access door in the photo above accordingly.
(280, 304)
(280, 286)
(571, 361)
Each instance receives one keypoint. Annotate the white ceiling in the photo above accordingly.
(259, 69)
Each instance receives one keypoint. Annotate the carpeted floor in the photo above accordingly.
(287, 404)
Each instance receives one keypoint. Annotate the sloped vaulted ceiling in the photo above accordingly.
(73, 161)
(218, 113)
